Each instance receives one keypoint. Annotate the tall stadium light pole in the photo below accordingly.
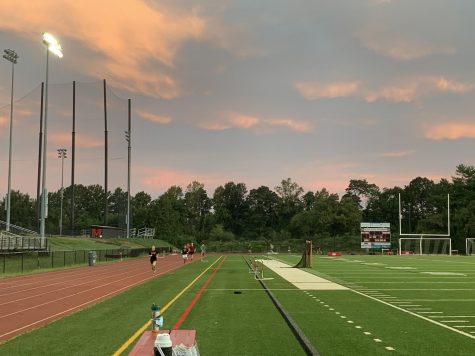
(62, 153)
(11, 56)
(129, 149)
(53, 46)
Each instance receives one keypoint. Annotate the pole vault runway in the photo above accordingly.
(30, 301)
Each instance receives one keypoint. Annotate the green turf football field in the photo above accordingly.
(400, 305)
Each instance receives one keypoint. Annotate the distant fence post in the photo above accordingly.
(22, 255)
(52, 259)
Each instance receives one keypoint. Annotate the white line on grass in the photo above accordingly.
(454, 321)
(417, 315)
(453, 316)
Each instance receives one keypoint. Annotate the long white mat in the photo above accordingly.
(301, 279)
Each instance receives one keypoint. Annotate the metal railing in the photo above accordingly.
(18, 229)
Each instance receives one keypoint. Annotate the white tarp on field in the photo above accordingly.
(300, 278)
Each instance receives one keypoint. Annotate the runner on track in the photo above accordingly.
(191, 250)
(153, 258)
(184, 253)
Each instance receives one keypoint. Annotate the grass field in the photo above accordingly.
(405, 305)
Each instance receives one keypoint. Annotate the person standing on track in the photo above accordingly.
(191, 250)
(184, 253)
(153, 259)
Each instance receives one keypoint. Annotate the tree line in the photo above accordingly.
(285, 212)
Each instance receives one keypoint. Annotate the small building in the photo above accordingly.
(107, 232)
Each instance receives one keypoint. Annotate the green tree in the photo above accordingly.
(230, 206)
(197, 208)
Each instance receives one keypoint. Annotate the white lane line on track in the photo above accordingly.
(77, 307)
(70, 295)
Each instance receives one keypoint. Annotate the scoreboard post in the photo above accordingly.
(375, 235)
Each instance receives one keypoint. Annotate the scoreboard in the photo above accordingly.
(375, 235)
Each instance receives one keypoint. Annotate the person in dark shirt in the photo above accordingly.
(184, 253)
(153, 259)
(191, 250)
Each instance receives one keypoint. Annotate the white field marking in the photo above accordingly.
(412, 305)
(442, 300)
(464, 326)
(331, 309)
(472, 332)
(454, 321)
(322, 302)
(314, 297)
(366, 333)
(405, 282)
(252, 289)
(377, 340)
(326, 306)
(431, 289)
(453, 316)
(357, 327)
(430, 312)
(337, 313)
(401, 302)
(414, 309)
(444, 273)
(418, 315)
(342, 316)
(350, 322)
(401, 268)
(375, 264)
(389, 348)
(388, 297)
(301, 279)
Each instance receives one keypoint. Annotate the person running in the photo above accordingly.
(203, 249)
(191, 250)
(184, 253)
(153, 259)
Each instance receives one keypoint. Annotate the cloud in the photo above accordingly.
(397, 154)
(398, 48)
(160, 179)
(295, 125)
(444, 84)
(3, 121)
(154, 118)
(255, 124)
(244, 121)
(406, 90)
(318, 90)
(127, 37)
(451, 131)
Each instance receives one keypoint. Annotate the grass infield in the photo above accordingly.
(388, 310)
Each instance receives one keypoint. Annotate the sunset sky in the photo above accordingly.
(320, 91)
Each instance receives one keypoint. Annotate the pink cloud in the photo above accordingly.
(319, 90)
(394, 94)
(295, 125)
(126, 43)
(214, 125)
(160, 179)
(244, 121)
(3, 121)
(444, 84)
(154, 118)
(397, 154)
(451, 131)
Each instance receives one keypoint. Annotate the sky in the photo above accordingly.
(319, 91)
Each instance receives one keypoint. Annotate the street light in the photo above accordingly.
(52, 45)
(11, 56)
(62, 153)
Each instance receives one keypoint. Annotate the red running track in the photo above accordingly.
(30, 301)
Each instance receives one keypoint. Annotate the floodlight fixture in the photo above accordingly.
(53, 45)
